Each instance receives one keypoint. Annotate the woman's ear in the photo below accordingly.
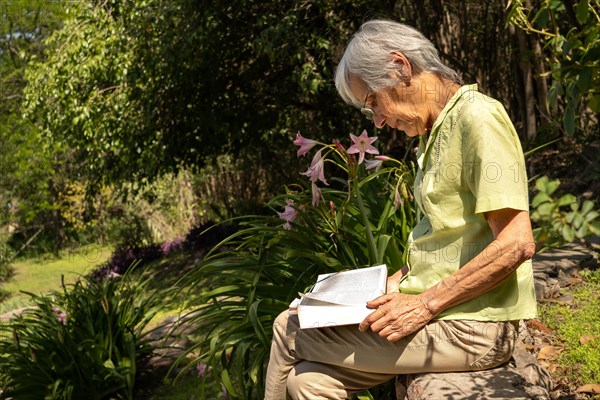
(404, 66)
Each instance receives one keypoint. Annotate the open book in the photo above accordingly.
(340, 298)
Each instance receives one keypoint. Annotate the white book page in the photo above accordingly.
(349, 287)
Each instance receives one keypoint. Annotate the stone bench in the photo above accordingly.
(519, 379)
(522, 377)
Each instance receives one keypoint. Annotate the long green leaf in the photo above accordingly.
(256, 323)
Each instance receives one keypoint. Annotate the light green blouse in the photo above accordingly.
(471, 163)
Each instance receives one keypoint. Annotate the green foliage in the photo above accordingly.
(88, 341)
(228, 186)
(6, 269)
(30, 175)
(579, 363)
(562, 219)
(149, 212)
(23, 25)
(570, 33)
(74, 95)
(186, 388)
(139, 88)
(362, 218)
(141, 214)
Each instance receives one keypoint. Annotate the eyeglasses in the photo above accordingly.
(367, 111)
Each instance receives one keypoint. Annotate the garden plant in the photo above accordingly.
(89, 341)
(352, 211)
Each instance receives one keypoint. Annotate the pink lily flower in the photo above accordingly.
(373, 164)
(362, 144)
(288, 215)
(305, 144)
(316, 194)
(316, 170)
(202, 369)
(397, 199)
(60, 315)
(339, 146)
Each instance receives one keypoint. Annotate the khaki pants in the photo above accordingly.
(334, 363)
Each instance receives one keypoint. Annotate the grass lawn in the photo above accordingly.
(576, 336)
(42, 275)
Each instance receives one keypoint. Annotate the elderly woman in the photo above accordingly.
(456, 304)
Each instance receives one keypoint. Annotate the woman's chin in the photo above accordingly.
(411, 132)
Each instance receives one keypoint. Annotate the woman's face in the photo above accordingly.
(401, 107)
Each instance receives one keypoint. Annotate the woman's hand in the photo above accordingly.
(397, 315)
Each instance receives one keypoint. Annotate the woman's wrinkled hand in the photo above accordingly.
(397, 315)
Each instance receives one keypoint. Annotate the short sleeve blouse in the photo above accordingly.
(471, 163)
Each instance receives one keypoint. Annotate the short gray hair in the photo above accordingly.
(368, 56)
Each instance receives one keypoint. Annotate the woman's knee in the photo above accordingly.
(503, 339)
(308, 380)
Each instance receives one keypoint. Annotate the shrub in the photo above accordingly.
(6, 271)
(562, 219)
(88, 341)
(203, 238)
(361, 218)
(125, 257)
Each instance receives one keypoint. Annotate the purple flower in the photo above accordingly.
(168, 247)
(373, 164)
(397, 199)
(60, 315)
(339, 146)
(202, 369)
(112, 274)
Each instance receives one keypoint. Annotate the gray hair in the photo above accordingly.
(368, 56)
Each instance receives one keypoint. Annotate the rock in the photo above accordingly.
(528, 367)
(170, 341)
(593, 241)
(400, 388)
(559, 268)
(13, 313)
(546, 288)
(504, 382)
(522, 378)
(573, 252)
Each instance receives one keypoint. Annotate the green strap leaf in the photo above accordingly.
(256, 323)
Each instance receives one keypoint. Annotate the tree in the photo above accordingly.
(570, 35)
(140, 88)
(129, 90)
(26, 186)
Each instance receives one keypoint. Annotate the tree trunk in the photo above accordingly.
(530, 120)
(541, 82)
